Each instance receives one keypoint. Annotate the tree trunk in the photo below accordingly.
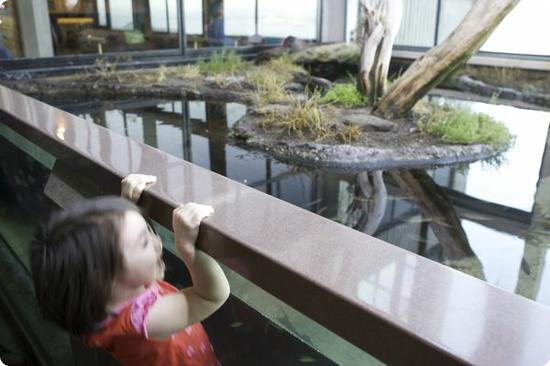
(438, 63)
(381, 25)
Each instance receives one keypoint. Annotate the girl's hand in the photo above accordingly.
(134, 184)
(186, 220)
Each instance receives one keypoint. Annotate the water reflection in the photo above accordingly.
(438, 210)
(476, 220)
(369, 204)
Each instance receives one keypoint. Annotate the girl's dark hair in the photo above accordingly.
(74, 260)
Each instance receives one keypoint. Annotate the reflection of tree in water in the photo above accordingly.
(369, 203)
(537, 241)
(445, 223)
(366, 211)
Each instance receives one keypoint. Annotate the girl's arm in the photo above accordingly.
(210, 289)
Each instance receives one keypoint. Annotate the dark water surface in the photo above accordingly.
(490, 222)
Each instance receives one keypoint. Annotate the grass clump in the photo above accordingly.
(164, 73)
(462, 126)
(105, 69)
(186, 71)
(345, 94)
(303, 117)
(269, 86)
(349, 134)
(221, 63)
(284, 65)
(308, 118)
(269, 80)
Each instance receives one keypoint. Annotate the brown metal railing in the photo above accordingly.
(395, 305)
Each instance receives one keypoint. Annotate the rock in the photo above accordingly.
(368, 122)
(270, 53)
(348, 53)
(312, 82)
(469, 84)
(229, 81)
(290, 44)
(295, 87)
(294, 44)
(508, 93)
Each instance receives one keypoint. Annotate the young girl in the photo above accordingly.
(97, 271)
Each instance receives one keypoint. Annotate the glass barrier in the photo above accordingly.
(214, 23)
(452, 13)
(283, 18)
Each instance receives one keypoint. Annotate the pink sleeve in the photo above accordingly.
(140, 309)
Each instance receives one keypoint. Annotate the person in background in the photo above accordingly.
(216, 28)
(4, 52)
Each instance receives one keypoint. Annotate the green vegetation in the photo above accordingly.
(462, 126)
(346, 95)
(222, 63)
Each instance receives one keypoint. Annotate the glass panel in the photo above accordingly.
(193, 18)
(215, 23)
(530, 19)
(164, 16)
(283, 18)
(231, 23)
(452, 13)
(122, 15)
(10, 42)
(159, 16)
(172, 16)
(102, 13)
(97, 26)
(240, 19)
(418, 23)
(352, 20)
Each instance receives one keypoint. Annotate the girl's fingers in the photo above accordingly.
(136, 192)
(192, 213)
(134, 184)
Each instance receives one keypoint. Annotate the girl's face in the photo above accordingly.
(142, 251)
